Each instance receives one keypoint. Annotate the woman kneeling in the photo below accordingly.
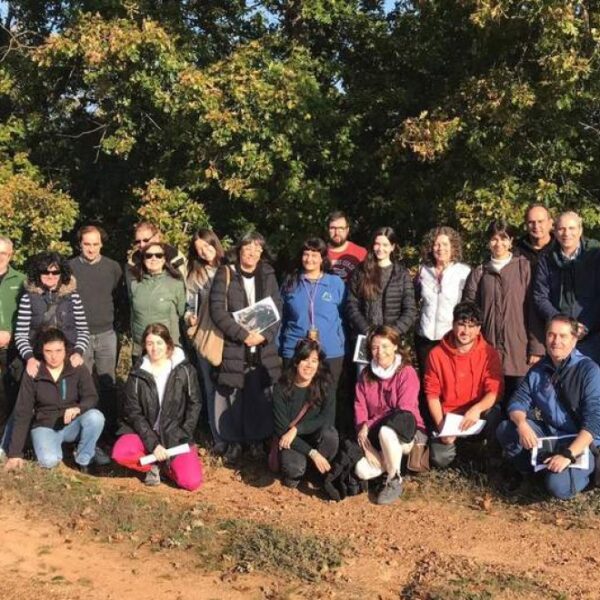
(160, 411)
(304, 412)
(386, 410)
(58, 402)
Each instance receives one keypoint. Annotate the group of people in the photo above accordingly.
(514, 341)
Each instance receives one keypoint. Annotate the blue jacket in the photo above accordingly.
(570, 287)
(329, 307)
(579, 378)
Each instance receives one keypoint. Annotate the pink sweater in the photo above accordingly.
(377, 399)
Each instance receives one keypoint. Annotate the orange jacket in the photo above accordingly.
(461, 380)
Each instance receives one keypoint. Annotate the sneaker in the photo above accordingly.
(152, 476)
(86, 469)
(233, 454)
(391, 491)
(101, 458)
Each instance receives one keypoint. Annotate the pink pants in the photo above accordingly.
(185, 470)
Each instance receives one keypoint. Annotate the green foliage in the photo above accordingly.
(270, 114)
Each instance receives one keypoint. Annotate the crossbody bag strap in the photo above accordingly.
(301, 414)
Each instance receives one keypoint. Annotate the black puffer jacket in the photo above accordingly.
(223, 302)
(179, 411)
(399, 306)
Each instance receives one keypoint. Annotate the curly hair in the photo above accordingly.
(432, 235)
(40, 263)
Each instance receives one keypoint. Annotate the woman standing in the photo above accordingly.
(243, 408)
(501, 288)
(313, 304)
(439, 285)
(156, 295)
(381, 291)
(50, 300)
(304, 412)
(160, 411)
(386, 411)
(205, 255)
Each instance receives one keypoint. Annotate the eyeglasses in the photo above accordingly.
(48, 272)
(142, 241)
(148, 255)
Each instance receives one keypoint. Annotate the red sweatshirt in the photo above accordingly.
(461, 380)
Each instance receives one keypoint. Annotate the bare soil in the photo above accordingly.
(446, 538)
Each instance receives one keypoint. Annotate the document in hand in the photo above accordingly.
(259, 316)
(548, 446)
(174, 451)
(360, 350)
(452, 423)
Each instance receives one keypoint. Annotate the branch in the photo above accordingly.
(80, 135)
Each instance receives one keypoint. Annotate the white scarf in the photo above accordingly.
(386, 373)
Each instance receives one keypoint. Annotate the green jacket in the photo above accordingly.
(11, 288)
(156, 299)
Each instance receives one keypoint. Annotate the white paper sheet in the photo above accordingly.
(452, 423)
(583, 461)
(174, 451)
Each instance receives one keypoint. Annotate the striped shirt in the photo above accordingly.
(24, 336)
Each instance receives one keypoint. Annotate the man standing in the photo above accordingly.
(537, 242)
(344, 255)
(98, 281)
(564, 387)
(567, 281)
(463, 376)
(11, 286)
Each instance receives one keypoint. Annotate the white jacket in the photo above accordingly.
(439, 299)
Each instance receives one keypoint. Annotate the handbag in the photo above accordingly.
(273, 459)
(205, 336)
(418, 458)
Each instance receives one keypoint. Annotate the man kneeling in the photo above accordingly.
(58, 403)
(565, 388)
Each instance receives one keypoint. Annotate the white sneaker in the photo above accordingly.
(3, 457)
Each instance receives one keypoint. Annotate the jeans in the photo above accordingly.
(205, 370)
(101, 356)
(86, 428)
(562, 485)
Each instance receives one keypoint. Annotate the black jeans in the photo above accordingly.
(9, 387)
(294, 464)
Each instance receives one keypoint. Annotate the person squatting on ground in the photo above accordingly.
(160, 411)
(305, 390)
(564, 388)
(58, 403)
(386, 409)
(463, 376)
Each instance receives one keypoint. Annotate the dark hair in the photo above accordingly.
(196, 266)
(310, 245)
(91, 229)
(499, 227)
(370, 282)
(432, 235)
(162, 331)
(467, 311)
(41, 262)
(391, 334)
(249, 238)
(337, 214)
(562, 318)
(318, 387)
(138, 269)
(47, 335)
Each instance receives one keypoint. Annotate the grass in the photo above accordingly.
(115, 516)
(449, 578)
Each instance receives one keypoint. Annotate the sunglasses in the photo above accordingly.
(48, 272)
(142, 241)
(154, 255)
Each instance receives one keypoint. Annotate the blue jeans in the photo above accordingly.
(205, 370)
(101, 356)
(86, 428)
(561, 485)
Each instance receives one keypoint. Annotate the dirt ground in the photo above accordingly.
(433, 543)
